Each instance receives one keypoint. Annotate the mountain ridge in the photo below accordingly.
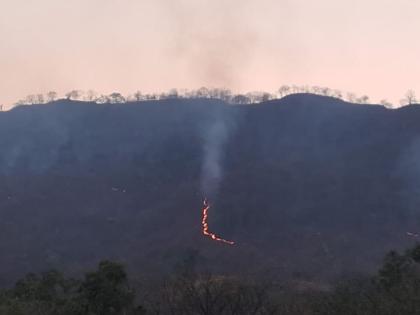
(308, 184)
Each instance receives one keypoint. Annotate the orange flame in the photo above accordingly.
(206, 232)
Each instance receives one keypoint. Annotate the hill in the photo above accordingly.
(307, 186)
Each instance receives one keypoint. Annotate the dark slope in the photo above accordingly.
(311, 185)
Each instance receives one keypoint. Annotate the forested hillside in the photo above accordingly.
(307, 186)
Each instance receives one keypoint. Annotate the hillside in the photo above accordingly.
(307, 186)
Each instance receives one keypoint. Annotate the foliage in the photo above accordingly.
(393, 290)
(225, 95)
(103, 292)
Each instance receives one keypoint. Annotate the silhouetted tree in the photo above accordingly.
(284, 90)
(410, 98)
(240, 99)
(51, 96)
(213, 295)
(151, 97)
(173, 93)
(393, 269)
(103, 292)
(225, 95)
(40, 99)
(202, 92)
(394, 290)
(325, 91)
(91, 95)
(138, 96)
(30, 99)
(73, 95)
(258, 97)
(106, 291)
(116, 98)
(103, 99)
(363, 99)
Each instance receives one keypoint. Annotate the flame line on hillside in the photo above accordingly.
(206, 232)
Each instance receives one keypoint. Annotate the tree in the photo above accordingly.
(393, 269)
(351, 97)
(138, 96)
(40, 99)
(30, 99)
(208, 295)
(325, 91)
(258, 97)
(393, 290)
(103, 99)
(214, 93)
(173, 93)
(73, 95)
(91, 95)
(202, 92)
(225, 95)
(150, 97)
(116, 98)
(284, 90)
(414, 253)
(49, 293)
(266, 96)
(51, 96)
(410, 98)
(106, 290)
(363, 99)
(103, 292)
(240, 99)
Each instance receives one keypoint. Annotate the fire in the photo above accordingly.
(206, 232)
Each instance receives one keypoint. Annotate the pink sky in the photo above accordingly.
(362, 46)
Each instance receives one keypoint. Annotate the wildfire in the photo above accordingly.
(206, 232)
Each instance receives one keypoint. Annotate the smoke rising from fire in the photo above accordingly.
(216, 133)
(211, 171)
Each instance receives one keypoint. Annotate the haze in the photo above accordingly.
(367, 47)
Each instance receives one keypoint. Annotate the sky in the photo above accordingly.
(362, 46)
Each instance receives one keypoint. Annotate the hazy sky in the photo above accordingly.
(364, 46)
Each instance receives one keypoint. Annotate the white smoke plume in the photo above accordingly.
(212, 170)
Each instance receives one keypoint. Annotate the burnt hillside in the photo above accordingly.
(309, 185)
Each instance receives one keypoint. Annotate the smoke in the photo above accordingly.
(214, 45)
(214, 142)
(216, 133)
(36, 146)
(211, 40)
